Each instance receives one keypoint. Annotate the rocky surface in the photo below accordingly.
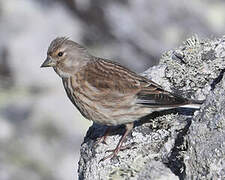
(176, 144)
(205, 158)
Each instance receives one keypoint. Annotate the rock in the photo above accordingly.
(150, 141)
(156, 170)
(205, 158)
(160, 147)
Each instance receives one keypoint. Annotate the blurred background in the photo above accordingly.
(40, 130)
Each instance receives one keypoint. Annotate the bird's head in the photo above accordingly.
(66, 56)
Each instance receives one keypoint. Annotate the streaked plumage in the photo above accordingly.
(104, 91)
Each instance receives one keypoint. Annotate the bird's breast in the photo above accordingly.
(82, 99)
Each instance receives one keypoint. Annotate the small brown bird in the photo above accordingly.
(106, 92)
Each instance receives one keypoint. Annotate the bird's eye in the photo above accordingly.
(60, 54)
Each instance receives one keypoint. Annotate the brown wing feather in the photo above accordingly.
(112, 78)
(114, 82)
(160, 98)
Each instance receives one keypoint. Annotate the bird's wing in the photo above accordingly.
(110, 78)
(115, 82)
(159, 98)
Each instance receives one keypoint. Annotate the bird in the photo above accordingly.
(106, 92)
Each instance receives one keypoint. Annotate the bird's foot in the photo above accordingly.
(112, 155)
(119, 146)
(114, 152)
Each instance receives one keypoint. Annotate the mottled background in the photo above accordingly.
(40, 130)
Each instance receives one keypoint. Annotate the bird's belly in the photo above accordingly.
(115, 116)
(110, 115)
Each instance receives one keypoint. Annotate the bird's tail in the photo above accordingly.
(195, 104)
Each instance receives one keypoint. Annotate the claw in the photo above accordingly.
(112, 155)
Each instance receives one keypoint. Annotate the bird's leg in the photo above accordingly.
(103, 138)
(129, 127)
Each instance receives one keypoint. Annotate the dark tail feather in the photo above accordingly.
(167, 99)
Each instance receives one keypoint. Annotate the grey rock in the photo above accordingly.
(156, 170)
(205, 158)
(150, 141)
(180, 143)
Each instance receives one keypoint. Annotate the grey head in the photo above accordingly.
(66, 56)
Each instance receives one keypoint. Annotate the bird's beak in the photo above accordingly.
(48, 63)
